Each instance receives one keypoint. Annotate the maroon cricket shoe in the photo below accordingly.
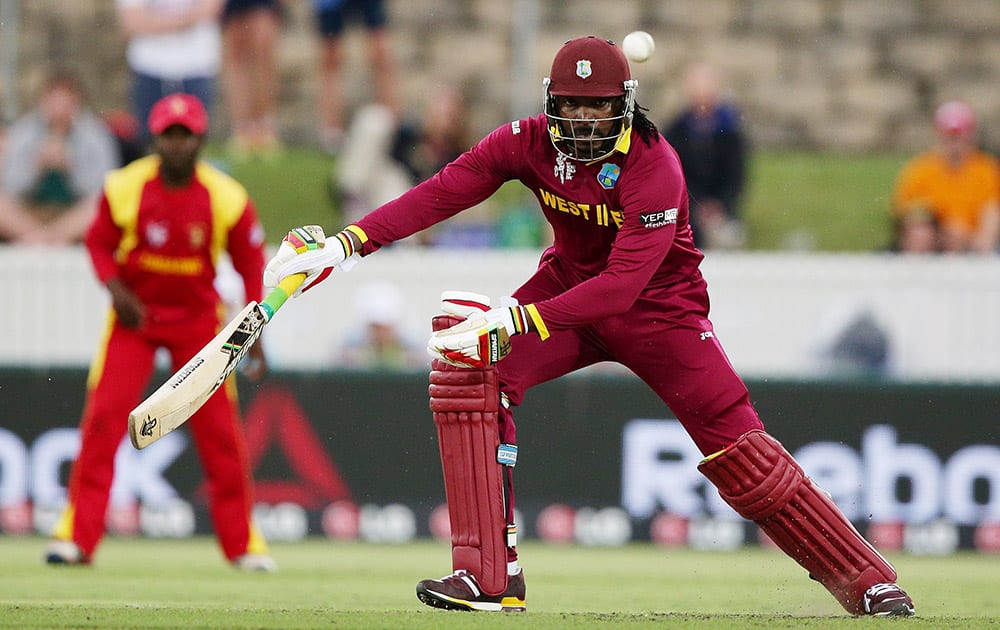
(888, 600)
(460, 591)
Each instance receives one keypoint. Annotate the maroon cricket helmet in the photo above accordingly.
(589, 66)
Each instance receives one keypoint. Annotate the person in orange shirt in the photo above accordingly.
(161, 224)
(956, 182)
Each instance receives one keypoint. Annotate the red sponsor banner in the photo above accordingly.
(886, 536)
(556, 523)
(987, 537)
(669, 530)
(276, 420)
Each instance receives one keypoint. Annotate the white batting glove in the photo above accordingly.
(512, 315)
(305, 250)
(470, 344)
(471, 305)
(464, 304)
(484, 337)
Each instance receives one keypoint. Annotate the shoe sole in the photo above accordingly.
(440, 600)
(901, 610)
(893, 607)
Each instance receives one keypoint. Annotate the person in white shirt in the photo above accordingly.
(173, 46)
(52, 166)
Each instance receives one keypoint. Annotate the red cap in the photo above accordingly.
(589, 66)
(955, 118)
(178, 109)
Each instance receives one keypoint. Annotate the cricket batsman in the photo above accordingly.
(161, 224)
(621, 282)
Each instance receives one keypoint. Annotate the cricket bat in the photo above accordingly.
(186, 391)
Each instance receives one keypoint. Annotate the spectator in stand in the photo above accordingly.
(380, 343)
(917, 232)
(955, 182)
(128, 132)
(709, 138)
(250, 31)
(173, 46)
(384, 158)
(52, 166)
(332, 17)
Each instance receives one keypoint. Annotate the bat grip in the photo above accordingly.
(281, 293)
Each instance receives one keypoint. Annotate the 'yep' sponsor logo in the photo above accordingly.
(659, 218)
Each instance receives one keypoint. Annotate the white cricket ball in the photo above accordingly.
(638, 46)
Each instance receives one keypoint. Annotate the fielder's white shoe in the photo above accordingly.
(64, 552)
(255, 562)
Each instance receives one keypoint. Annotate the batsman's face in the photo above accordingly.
(592, 121)
(178, 148)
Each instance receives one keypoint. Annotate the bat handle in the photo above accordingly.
(281, 293)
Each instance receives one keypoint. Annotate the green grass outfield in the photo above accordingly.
(141, 583)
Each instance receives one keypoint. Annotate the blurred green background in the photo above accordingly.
(795, 200)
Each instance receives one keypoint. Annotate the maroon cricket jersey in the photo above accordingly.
(620, 223)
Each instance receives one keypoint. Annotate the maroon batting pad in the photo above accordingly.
(465, 403)
(764, 484)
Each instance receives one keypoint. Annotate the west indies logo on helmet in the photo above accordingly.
(589, 67)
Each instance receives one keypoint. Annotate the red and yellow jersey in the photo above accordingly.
(163, 243)
(956, 196)
(620, 223)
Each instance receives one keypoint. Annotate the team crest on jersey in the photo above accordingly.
(196, 236)
(583, 69)
(608, 176)
(157, 234)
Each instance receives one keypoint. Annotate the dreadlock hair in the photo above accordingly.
(643, 125)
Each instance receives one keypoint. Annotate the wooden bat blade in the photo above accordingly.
(186, 391)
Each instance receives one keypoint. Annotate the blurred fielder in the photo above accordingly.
(161, 224)
(620, 283)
